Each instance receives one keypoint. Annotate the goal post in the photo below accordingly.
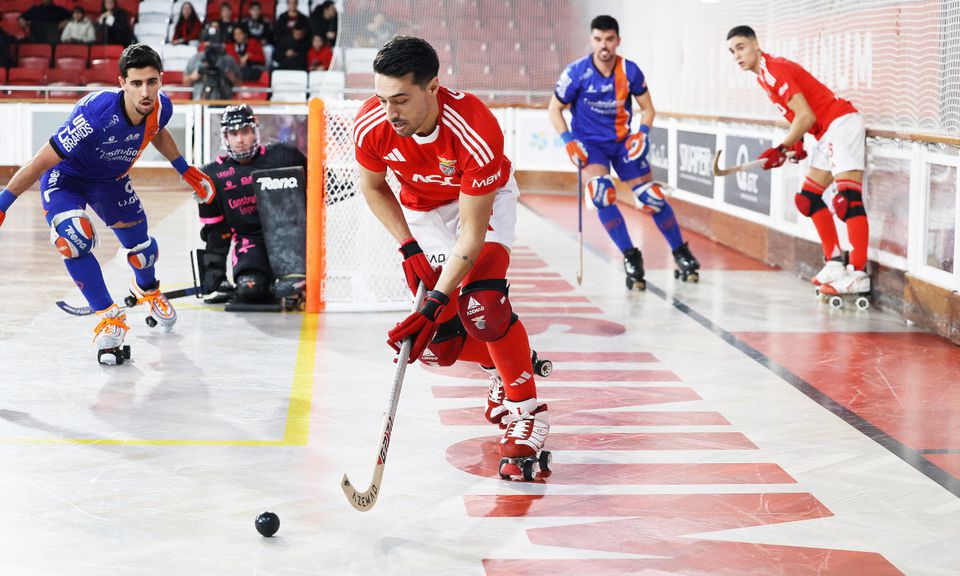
(352, 261)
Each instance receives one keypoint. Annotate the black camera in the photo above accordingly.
(211, 57)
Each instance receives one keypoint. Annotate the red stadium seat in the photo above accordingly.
(64, 77)
(241, 94)
(107, 65)
(132, 7)
(104, 51)
(77, 65)
(42, 50)
(26, 77)
(72, 51)
(34, 62)
(101, 77)
(173, 77)
(3, 75)
(11, 25)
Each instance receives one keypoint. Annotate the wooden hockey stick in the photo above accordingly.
(718, 171)
(580, 219)
(87, 311)
(364, 501)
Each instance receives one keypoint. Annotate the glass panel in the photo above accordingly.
(887, 198)
(941, 217)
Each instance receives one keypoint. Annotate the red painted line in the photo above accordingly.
(547, 298)
(520, 276)
(525, 264)
(574, 399)
(535, 286)
(475, 450)
(474, 417)
(571, 356)
(557, 310)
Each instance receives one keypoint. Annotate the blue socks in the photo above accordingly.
(667, 223)
(86, 272)
(612, 220)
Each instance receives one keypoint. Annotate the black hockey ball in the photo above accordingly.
(267, 524)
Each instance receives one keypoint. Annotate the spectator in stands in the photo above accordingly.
(287, 21)
(220, 31)
(257, 26)
(6, 43)
(79, 29)
(213, 73)
(115, 24)
(380, 30)
(45, 21)
(248, 52)
(291, 50)
(324, 20)
(320, 54)
(188, 26)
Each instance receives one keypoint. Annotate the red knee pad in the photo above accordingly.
(447, 344)
(848, 202)
(485, 309)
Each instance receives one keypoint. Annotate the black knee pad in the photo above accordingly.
(809, 203)
(252, 286)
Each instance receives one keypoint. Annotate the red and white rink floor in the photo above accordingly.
(735, 426)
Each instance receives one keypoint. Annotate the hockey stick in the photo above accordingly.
(87, 311)
(718, 171)
(364, 501)
(580, 219)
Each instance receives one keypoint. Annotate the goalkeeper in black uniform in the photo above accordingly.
(234, 215)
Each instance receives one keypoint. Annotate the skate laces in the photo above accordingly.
(520, 428)
(107, 322)
(156, 299)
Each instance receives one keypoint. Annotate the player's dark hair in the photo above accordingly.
(605, 22)
(745, 31)
(407, 54)
(139, 56)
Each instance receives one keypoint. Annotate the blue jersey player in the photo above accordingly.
(598, 89)
(87, 163)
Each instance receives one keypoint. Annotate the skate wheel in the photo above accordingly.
(546, 457)
(504, 465)
(836, 302)
(126, 351)
(527, 468)
(817, 292)
(676, 274)
(862, 303)
(130, 301)
(151, 321)
(543, 368)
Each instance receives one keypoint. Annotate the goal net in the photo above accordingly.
(352, 262)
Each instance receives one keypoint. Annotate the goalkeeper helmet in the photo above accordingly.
(235, 118)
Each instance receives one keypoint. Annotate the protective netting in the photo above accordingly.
(506, 51)
(896, 61)
(363, 269)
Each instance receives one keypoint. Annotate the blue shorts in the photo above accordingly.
(615, 153)
(114, 201)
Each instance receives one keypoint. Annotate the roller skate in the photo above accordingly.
(687, 264)
(109, 334)
(161, 310)
(833, 269)
(854, 284)
(633, 266)
(521, 447)
(495, 411)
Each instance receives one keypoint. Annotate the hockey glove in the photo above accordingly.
(638, 144)
(798, 152)
(775, 157)
(416, 267)
(575, 149)
(6, 200)
(421, 325)
(203, 190)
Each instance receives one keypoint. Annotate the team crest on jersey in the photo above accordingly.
(448, 167)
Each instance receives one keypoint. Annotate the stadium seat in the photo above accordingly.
(12, 26)
(327, 85)
(26, 77)
(359, 59)
(101, 51)
(64, 77)
(176, 56)
(3, 75)
(38, 62)
(150, 29)
(72, 51)
(75, 64)
(100, 77)
(41, 50)
(132, 7)
(248, 95)
(106, 65)
(289, 85)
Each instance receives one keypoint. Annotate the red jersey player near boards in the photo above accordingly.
(811, 107)
(458, 200)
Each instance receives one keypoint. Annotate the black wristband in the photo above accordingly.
(432, 304)
(410, 249)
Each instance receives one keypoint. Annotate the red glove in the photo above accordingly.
(798, 152)
(421, 325)
(775, 157)
(575, 149)
(203, 190)
(416, 267)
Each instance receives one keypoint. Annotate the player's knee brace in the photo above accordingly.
(485, 309)
(602, 191)
(649, 197)
(809, 203)
(252, 286)
(447, 344)
(848, 202)
(73, 234)
(144, 255)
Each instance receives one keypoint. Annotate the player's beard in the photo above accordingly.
(406, 129)
(149, 107)
(605, 55)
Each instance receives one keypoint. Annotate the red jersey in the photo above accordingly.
(782, 78)
(463, 154)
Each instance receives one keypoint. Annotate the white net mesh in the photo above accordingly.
(363, 269)
(897, 61)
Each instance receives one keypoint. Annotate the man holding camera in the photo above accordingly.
(213, 73)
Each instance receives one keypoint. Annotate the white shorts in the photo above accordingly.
(436, 230)
(842, 147)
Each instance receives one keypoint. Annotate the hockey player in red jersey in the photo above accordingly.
(457, 211)
(811, 107)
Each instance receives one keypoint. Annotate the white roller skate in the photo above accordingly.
(495, 410)
(854, 284)
(109, 334)
(521, 447)
(161, 310)
(833, 269)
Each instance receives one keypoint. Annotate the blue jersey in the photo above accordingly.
(98, 141)
(601, 105)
